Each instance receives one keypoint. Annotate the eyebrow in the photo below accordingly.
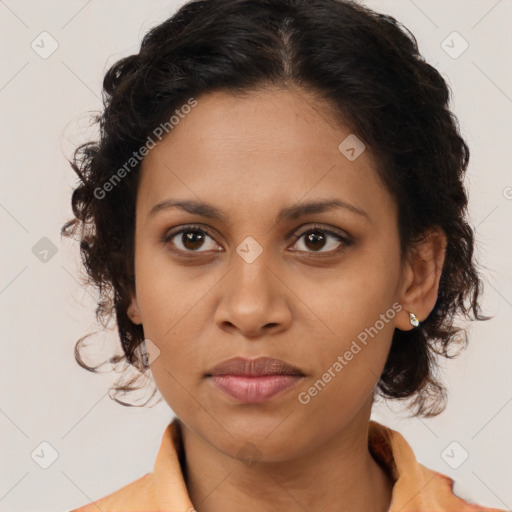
(290, 212)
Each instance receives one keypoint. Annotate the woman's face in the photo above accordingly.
(261, 281)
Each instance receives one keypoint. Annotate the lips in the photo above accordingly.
(254, 380)
(255, 367)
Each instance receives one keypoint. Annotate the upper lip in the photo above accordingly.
(254, 367)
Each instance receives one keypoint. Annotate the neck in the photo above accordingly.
(339, 475)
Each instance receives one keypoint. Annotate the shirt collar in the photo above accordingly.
(416, 488)
(171, 489)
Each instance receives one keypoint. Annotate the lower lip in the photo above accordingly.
(254, 389)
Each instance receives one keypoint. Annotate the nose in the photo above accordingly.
(253, 300)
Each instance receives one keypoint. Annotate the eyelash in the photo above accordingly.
(345, 241)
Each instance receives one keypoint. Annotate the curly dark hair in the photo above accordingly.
(369, 69)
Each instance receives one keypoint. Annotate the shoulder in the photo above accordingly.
(133, 497)
(416, 488)
(440, 495)
(163, 489)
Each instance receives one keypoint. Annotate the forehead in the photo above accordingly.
(267, 147)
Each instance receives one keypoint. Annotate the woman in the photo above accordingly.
(275, 212)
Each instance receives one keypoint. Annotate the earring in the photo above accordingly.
(414, 320)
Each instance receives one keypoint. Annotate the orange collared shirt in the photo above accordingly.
(416, 488)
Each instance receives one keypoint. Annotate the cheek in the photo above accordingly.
(355, 295)
(347, 364)
(166, 293)
(356, 311)
(173, 314)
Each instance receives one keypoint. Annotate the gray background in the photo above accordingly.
(46, 397)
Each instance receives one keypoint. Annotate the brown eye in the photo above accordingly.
(317, 239)
(191, 239)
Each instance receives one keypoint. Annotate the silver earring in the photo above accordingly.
(414, 320)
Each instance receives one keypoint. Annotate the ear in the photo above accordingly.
(133, 311)
(421, 275)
